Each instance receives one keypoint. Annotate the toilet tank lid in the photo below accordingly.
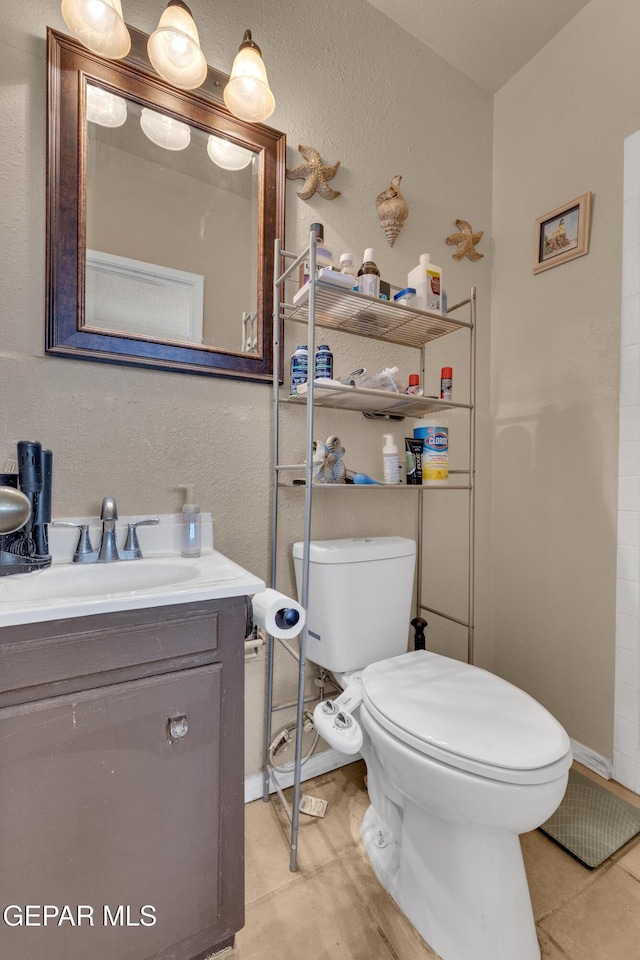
(356, 549)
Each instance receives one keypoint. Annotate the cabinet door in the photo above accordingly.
(100, 808)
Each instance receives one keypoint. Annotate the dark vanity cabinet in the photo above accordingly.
(121, 788)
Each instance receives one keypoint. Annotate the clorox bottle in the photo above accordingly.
(435, 454)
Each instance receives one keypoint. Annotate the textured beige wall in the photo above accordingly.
(559, 131)
(351, 83)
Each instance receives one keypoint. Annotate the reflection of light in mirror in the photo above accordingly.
(247, 94)
(99, 25)
(105, 108)
(165, 131)
(228, 155)
(174, 48)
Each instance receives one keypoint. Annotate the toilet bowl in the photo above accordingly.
(459, 762)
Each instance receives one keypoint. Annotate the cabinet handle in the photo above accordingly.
(178, 728)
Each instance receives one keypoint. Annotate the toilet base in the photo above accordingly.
(465, 891)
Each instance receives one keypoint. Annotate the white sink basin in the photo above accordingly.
(75, 590)
(73, 581)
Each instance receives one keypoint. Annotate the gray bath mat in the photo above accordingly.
(591, 823)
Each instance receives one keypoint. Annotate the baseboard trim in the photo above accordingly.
(594, 761)
(315, 766)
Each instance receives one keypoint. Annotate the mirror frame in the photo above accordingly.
(70, 66)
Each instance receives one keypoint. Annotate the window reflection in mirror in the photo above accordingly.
(171, 228)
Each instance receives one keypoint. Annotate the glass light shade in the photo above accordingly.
(99, 25)
(247, 94)
(228, 155)
(174, 48)
(105, 108)
(165, 131)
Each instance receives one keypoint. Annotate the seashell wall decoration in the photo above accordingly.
(315, 174)
(466, 240)
(392, 210)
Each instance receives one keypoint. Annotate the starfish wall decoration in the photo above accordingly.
(315, 174)
(466, 240)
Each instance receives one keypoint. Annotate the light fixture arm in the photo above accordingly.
(246, 40)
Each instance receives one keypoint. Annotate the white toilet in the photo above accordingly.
(459, 762)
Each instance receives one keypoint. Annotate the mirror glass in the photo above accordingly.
(171, 236)
(163, 212)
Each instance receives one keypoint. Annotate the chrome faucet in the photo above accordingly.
(108, 549)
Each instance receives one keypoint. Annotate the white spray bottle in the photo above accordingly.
(390, 460)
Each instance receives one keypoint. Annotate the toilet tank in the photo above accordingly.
(360, 594)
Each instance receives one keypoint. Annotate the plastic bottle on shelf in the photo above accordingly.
(435, 454)
(390, 460)
(426, 278)
(299, 368)
(323, 363)
(324, 256)
(347, 267)
(369, 275)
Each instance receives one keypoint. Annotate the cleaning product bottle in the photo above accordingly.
(299, 368)
(390, 460)
(191, 529)
(435, 455)
(426, 278)
(369, 275)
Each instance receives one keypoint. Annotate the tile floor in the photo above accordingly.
(333, 908)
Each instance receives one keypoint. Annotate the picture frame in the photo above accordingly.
(562, 234)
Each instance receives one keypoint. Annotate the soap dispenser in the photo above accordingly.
(191, 530)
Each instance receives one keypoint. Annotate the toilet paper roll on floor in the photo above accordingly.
(279, 615)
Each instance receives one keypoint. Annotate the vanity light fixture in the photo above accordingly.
(174, 52)
(174, 48)
(164, 131)
(105, 108)
(247, 94)
(228, 155)
(99, 25)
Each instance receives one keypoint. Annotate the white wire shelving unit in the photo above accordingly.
(335, 308)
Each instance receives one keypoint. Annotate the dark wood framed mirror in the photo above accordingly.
(157, 256)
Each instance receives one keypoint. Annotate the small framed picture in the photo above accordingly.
(562, 234)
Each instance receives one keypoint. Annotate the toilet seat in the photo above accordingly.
(466, 717)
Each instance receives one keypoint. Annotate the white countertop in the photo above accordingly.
(160, 579)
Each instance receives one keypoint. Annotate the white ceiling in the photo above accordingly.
(488, 40)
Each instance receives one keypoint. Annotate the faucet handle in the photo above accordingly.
(131, 549)
(109, 509)
(84, 548)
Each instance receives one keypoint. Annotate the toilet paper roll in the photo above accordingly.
(278, 614)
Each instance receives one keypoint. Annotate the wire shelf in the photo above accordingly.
(365, 400)
(366, 316)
